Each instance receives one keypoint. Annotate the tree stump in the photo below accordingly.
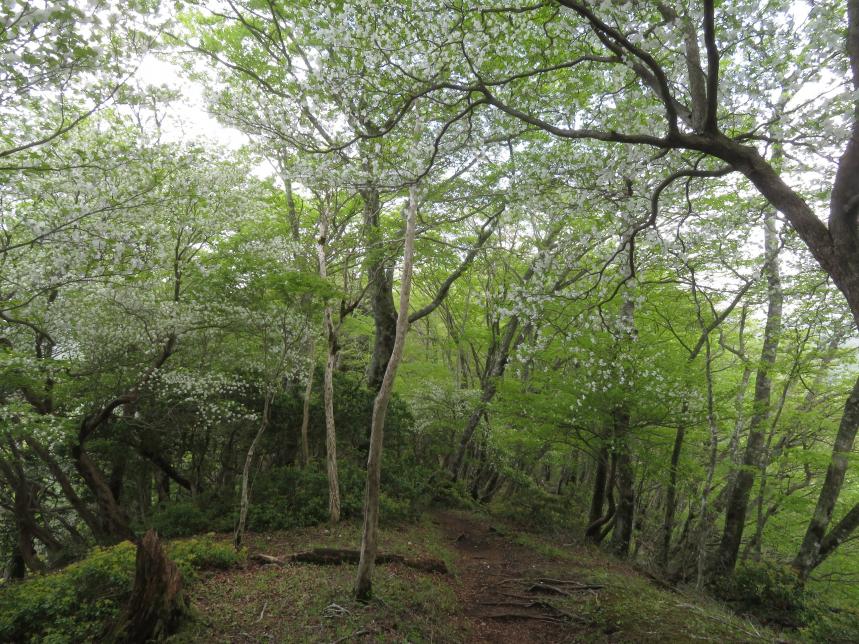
(157, 604)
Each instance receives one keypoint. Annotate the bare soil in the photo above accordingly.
(506, 590)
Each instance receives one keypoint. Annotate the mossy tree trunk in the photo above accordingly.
(158, 603)
(369, 543)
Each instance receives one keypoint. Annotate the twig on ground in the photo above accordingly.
(262, 612)
(358, 633)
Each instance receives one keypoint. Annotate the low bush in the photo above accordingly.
(75, 604)
(769, 592)
(72, 605)
(545, 511)
(185, 517)
(291, 497)
(203, 553)
(827, 625)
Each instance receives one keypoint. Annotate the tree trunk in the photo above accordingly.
(735, 514)
(490, 385)
(328, 382)
(816, 544)
(625, 481)
(624, 476)
(671, 496)
(244, 499)
(369, 545)
(599, 489)
(381, 291)
(66, 486)
(598, 528)
(330, 431)
(116, 524)
(739, 409)
(305, 409)
(712, 425)
(157, 603)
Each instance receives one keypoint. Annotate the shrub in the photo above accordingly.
(770, 592)
(202, 553)
(75, 604)
(545, 511)
(180, 519)
(72, 605)
(189, 516)
(832, 626)
(290, 497)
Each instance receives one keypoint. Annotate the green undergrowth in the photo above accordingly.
(629, 607)
(761, 593)
(288, 497)
(74, 605)
(309, 603)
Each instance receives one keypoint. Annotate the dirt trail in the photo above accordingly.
(509, 593)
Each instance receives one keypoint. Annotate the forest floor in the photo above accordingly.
(504, 585)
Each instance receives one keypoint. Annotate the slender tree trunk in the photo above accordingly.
(598, 528)
(328, 382)
(599, 488)
(713, 426)
(330, 431)
(116, 524)
(244, 499)
(735, 515)
(625, 481)
(369, 545)
(162, 487)
(305, 409)
(66, 486)
(740, 415)
(624, 476)
(671, 495)
(816, 544)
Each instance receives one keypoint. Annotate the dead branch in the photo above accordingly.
(337, 556)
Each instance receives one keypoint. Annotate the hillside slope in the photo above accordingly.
(504, 586)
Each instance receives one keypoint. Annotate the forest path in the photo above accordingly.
(509, 592)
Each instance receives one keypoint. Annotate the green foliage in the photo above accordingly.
(203, 553)
(290, 497)
(832, 626)
(770, 592)
(189, 516)
(531, 506)
(453, 495)
(72, 605)
(75, 604)
(180, 519)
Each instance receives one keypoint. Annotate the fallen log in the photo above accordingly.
(265, 559)
(336, 556)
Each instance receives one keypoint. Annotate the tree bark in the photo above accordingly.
(735, 514)
(671, 495)
(305, 408)
(116, 524)
(381, 278)
(816, 544)
(369, 545)
(599, 489)
(244, 499)
(625, 480)
(158, 603)
(328, 381)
